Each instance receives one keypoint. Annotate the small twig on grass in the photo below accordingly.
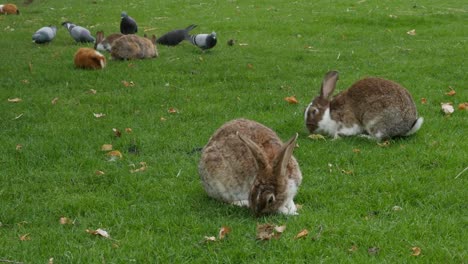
(461, 173)
(10, 261)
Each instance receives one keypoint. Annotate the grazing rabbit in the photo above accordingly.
(105, 43)
(246, 164)
(88, 58)
(9, 9)
(134, 47)
(374, 107)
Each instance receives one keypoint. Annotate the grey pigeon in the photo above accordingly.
(128, 25)
(44, 34)
(175, 37)
(79, 34)
(203, 41)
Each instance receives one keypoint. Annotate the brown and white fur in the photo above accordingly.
(88, 58)
(105, 43)
(9, 9)
(373, 107)
(134, 47)
(246, 164)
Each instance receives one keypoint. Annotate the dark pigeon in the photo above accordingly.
(78, 33)
(128, 25)
(203, 41)
(174, 37)
(44, 35)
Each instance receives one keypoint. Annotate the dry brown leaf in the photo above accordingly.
(65, 221)
(15, 100)
(423, 100)
(98, 232)
(291, 99)
(128, 130)
(266, 232)
(172, 110)
(19, 147)
(347, 172)
(463, 106)
(99, 172)
(250, 65)
(25, 81)
(106, 147)
(223, 232)
(447, 108)
(416, 251)
(128, 84)
(353, 248)
(114, 153)
(54, 101)
(25, 237)
(92, 91)
(302, 234)
(411, 32)
(143, 167)
(99, 115)
(316, 137)
(117, 132)
(451, 92)
(386, 143)
(356, 150)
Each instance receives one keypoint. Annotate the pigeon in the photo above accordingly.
(128, 25)
(175, 37)
(203, 41)
(44, 35)
(79, 34)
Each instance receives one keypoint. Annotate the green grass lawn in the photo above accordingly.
(50, 152)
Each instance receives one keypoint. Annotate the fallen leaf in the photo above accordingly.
(65, 221)
(25, 237)
(356, 150)
(115, 153)
(397, 208)
(210, 239)
(51, 261)
(347, 172)
(291, 100)
(128, 84)
(411, 32)
(316, 137)
(106, 147)
(162, 119)
(19, 147)
(25, 81)
(353, 248)
(142, 167)
(92, 91)
(54, 101)
(98, 172)
(447, 108)
(373, 250)
(172, 110)
(128, 130)
(463, 106)
(223, 232)
(302, 234)
(267, 232)
(386, 143)
(98, 232)
(416, 251)
(423, 100)
(250, 65)
(99, 115)
(15, 100)
(116, 132)
(451, 92)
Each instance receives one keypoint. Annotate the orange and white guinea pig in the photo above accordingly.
(9, 9)
(88, 58)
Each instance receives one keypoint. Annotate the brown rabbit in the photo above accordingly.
(134, 47)
(88, 58)
(374, 107)
(105, 43)
(246, 164)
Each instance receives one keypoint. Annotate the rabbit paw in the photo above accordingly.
(241, 203)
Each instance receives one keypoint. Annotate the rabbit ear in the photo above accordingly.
(257, 152)
(153, 39)
(328, 84)
(283, 157)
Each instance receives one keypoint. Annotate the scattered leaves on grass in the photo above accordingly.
(106, 147)
(172, 110)
(416, 251)
(128, 84)
(373, 250)
(451, 92)
(54, 101)
(25, 237)
(347, 172)
(99, 172)
(463, 106)
(423, 100)
(99, 115)
(316, 137)
(411, 32)
(291, 99)
(98, 232)
(269, 231)
(15, 100)
(92, 91)
(447, 108)
(223, 232)
(117, 132)
(114, 154)
(143, 167)
(384, 144)
(302, 234)
(128, 130)
(357, 151)
(19, 147)
(65, 221)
